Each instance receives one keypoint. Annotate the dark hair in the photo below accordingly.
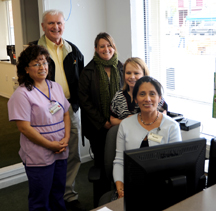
(147, 79)
(107, 37)
(29, 54)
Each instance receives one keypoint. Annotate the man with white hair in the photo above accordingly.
(66, 65)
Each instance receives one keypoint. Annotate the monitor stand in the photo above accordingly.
(178, 188)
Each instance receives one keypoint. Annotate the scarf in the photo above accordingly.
(107, 88)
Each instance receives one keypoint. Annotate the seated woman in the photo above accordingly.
(123, 104)
(145, 129)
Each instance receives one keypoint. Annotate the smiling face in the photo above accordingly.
(132, 74)
(38, 69)
(53, 27)
(147, 97)
(104, 49)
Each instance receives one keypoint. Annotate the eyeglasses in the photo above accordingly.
(39, 64)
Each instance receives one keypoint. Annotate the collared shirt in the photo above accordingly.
(56, 53)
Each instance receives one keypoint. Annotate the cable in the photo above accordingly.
(70, 10)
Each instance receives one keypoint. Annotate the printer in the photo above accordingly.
(190, 129)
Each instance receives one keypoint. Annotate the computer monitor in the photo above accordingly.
(212, 164)
(158, 177)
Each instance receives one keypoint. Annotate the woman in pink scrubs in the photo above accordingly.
(40, 110)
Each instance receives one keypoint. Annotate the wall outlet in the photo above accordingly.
(6, 78)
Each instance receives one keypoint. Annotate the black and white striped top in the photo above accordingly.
(121, 105)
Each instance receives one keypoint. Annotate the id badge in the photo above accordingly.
(154, 137)
(54, 108)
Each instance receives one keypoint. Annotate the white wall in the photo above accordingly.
(118, 24)
(88, 18)
(3, 34)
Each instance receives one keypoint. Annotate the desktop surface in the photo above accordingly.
(204, 200)
(117, 205)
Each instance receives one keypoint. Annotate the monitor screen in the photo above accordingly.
(157, 177)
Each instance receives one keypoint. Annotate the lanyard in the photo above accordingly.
(49, 98)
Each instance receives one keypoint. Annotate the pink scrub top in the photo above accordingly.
(33, 106)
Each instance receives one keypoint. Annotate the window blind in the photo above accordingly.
(180, 51)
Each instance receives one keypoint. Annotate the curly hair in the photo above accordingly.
(29, 54)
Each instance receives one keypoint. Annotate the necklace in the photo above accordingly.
(150, 122)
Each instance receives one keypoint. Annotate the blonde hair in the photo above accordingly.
(136, 62)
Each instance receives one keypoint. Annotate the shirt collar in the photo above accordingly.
(52, 45)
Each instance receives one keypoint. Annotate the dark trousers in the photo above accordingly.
(47, 186)
(97, 142)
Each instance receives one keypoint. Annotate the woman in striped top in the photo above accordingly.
(123, 104)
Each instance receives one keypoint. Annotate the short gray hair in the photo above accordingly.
(51, 12)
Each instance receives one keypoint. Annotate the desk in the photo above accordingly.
(117, 205)
(204, 200)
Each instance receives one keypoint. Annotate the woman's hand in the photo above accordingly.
(120, 193)
(107, 125)
(120, 189)
(58, 147)
(64, 142)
